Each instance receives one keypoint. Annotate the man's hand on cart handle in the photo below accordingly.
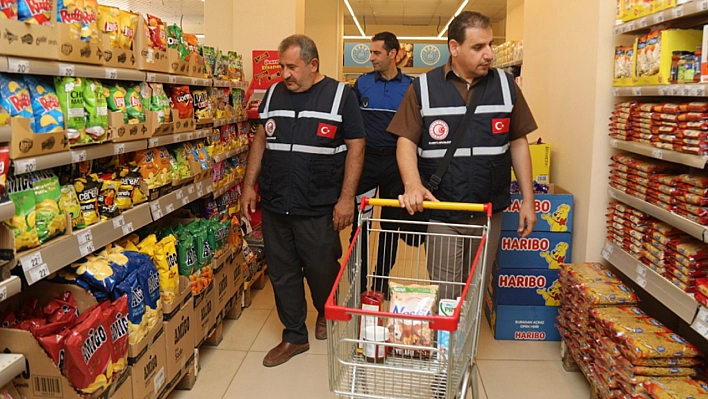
(248, 202)
(343, 214)
(413, 197)
(527, 218)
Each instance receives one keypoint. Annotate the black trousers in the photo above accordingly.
(380, 174)
(300, 247)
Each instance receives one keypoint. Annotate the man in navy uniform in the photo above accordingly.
(307, 157)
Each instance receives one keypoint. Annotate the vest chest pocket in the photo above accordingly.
(325, 182)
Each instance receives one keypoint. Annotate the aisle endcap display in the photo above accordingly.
(690, 9)
(694, 161)
(678, 301)
(692, 228)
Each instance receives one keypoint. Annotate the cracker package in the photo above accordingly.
(411, 300)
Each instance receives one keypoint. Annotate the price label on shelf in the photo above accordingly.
(686, 90)
(195, 82)
(659, 18)
(156, 210)
(616, 91)
(609, 248)
(119, 149)
(613, 143)
(677, 12)
(86, 248)
(119, 221)
(169, 208)
(38, 273)
(702, 314)
(84, 237)
(18, 66)
(613, 194)
(631, 26)
(657, 153)
(154, 142)
(78, 156)
(177, 138)
(3, 293)
(25, 165)
(31, 261)
(127, 229)
(180, 194)
(642, 22)
(664, 91)
(172, 79)
(190, 136)
(605, 255)
(702, 5)
(150, 77)
(190, 190)
(700, 91)
(209, 188)
(111, 73)
(700, 328)
(641, 281)
(185, 201)
(641, 270)
(67, 70)
(675, 90)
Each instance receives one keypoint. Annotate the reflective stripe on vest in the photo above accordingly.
(306, 149)
(426, 110)
(333, 115)
(464, 152)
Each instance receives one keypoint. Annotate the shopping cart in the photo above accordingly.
(442, 366)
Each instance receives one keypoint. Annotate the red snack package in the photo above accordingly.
(88, 353)
(8, 320)
(182, 101)
(31, 310)
(27, 325)
(53, 344)
(116, 315)
(64, 303)
(157, 33)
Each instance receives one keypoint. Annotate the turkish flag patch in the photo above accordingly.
(500, 126)
(325, 130)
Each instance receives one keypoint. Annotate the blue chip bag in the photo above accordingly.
(35, 11)
(136, 298)
(100, 273)
(136, 260)
(150, 280)
(48, 116)
(15, 97)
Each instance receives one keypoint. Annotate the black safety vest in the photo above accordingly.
(480, 172)
(302, 170)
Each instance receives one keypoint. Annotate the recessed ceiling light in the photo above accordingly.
(459, 10)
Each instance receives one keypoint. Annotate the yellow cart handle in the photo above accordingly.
(443, 206)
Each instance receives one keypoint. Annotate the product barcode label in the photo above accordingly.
(170, 208)
(25, 165)
(700, 328)
(84, 237)
(127, 229)
(119, 149)
(38, 273)
(78, 156)
(86, 248)
(702, 314)
(119, 221)
(641, 270)
(18, 66)
(641, 281)
(677, 12)
(111, 73)
(29, 262)
(67, 70)
(657, 153)
(47, 386)
(159, 380)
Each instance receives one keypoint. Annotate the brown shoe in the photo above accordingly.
(284, 352)
(321, 328)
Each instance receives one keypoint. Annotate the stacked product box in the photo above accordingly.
(522, 297)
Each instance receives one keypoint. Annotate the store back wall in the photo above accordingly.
(568, 50)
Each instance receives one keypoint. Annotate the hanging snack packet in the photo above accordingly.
(15, 97)
(128, 22)
(23, 223)
(134, 104)
(50, 220)
(167, 266)
(37, 12)
(116, 315)
(87, 189)
(96, 108)
(69, 203)
(116, 95)
(48, 116)
(71, 97)
(71, 12)
(137, 325)
(89, 22)
(202, 109)
(87, 357)
(182, 101)
(156, 33)
(8, 9)
(108, 22)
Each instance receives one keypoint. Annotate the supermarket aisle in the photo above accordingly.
(531, 370)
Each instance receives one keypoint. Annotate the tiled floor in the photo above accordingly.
(234, 369)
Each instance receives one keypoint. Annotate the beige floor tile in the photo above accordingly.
(491, 349)
(240, 334)
(271, 335)
(218, 370)
(263, 299)
(504, 379)
(305, 376)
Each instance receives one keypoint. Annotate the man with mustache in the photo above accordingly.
(480, 171)
(307, 156)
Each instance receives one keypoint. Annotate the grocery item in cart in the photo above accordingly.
(411, 300)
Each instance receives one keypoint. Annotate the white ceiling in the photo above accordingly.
(419, 12)
(189, 12)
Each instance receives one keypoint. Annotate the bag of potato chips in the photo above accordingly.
(87, 189)
(70, 91)
(48, 116)
(116, 314)
(69, 203)
(128, 23)
(115, 95)
(71, 12)
(50, 219)
(8, 10)
(166, 262)
(86, 369)
(23, 224)
(15, 97)
(137, 324)
(35, 12)
(108, 22)
(89, 24)
(96, 108)
(134, 104)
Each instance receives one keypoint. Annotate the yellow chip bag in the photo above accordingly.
(128, 23)
(108, 23)
(166, 262)
(147, 245)
(129, 243)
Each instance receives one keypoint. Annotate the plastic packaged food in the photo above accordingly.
(48, 115)
(71, 97)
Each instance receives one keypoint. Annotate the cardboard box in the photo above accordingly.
(185, 295)
(137, 351)
(221, 284)
(27, 40)
(205, 314)
(554, 211)
(541, 163)
(148, 373)
(528, 287)
(182, 125)
(117, 57)
(670, 41)
(521, 323)
(155, 128)
(176, 65)
(196, 66)
(148, 59)
(26, 143)
(119, 131)
(179, 332)
(73, 49)
(537, 251)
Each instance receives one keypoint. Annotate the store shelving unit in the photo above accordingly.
(694, 161)
(227, 187)
(10, 287)
(178, 138)
(692, 9)
(231, 153)
(510, 64)
(55, 68)
(229, 120)
(671, 90)
(176, 79)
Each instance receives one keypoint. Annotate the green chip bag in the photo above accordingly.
(209, 54)
(205, 253)
(50, 219)
(186, 253)
(70, 91)
(176, 40)
(23, 224)
(211, 230)
(115, 95)
(96, 108)
(70, 204)
(134, 104)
